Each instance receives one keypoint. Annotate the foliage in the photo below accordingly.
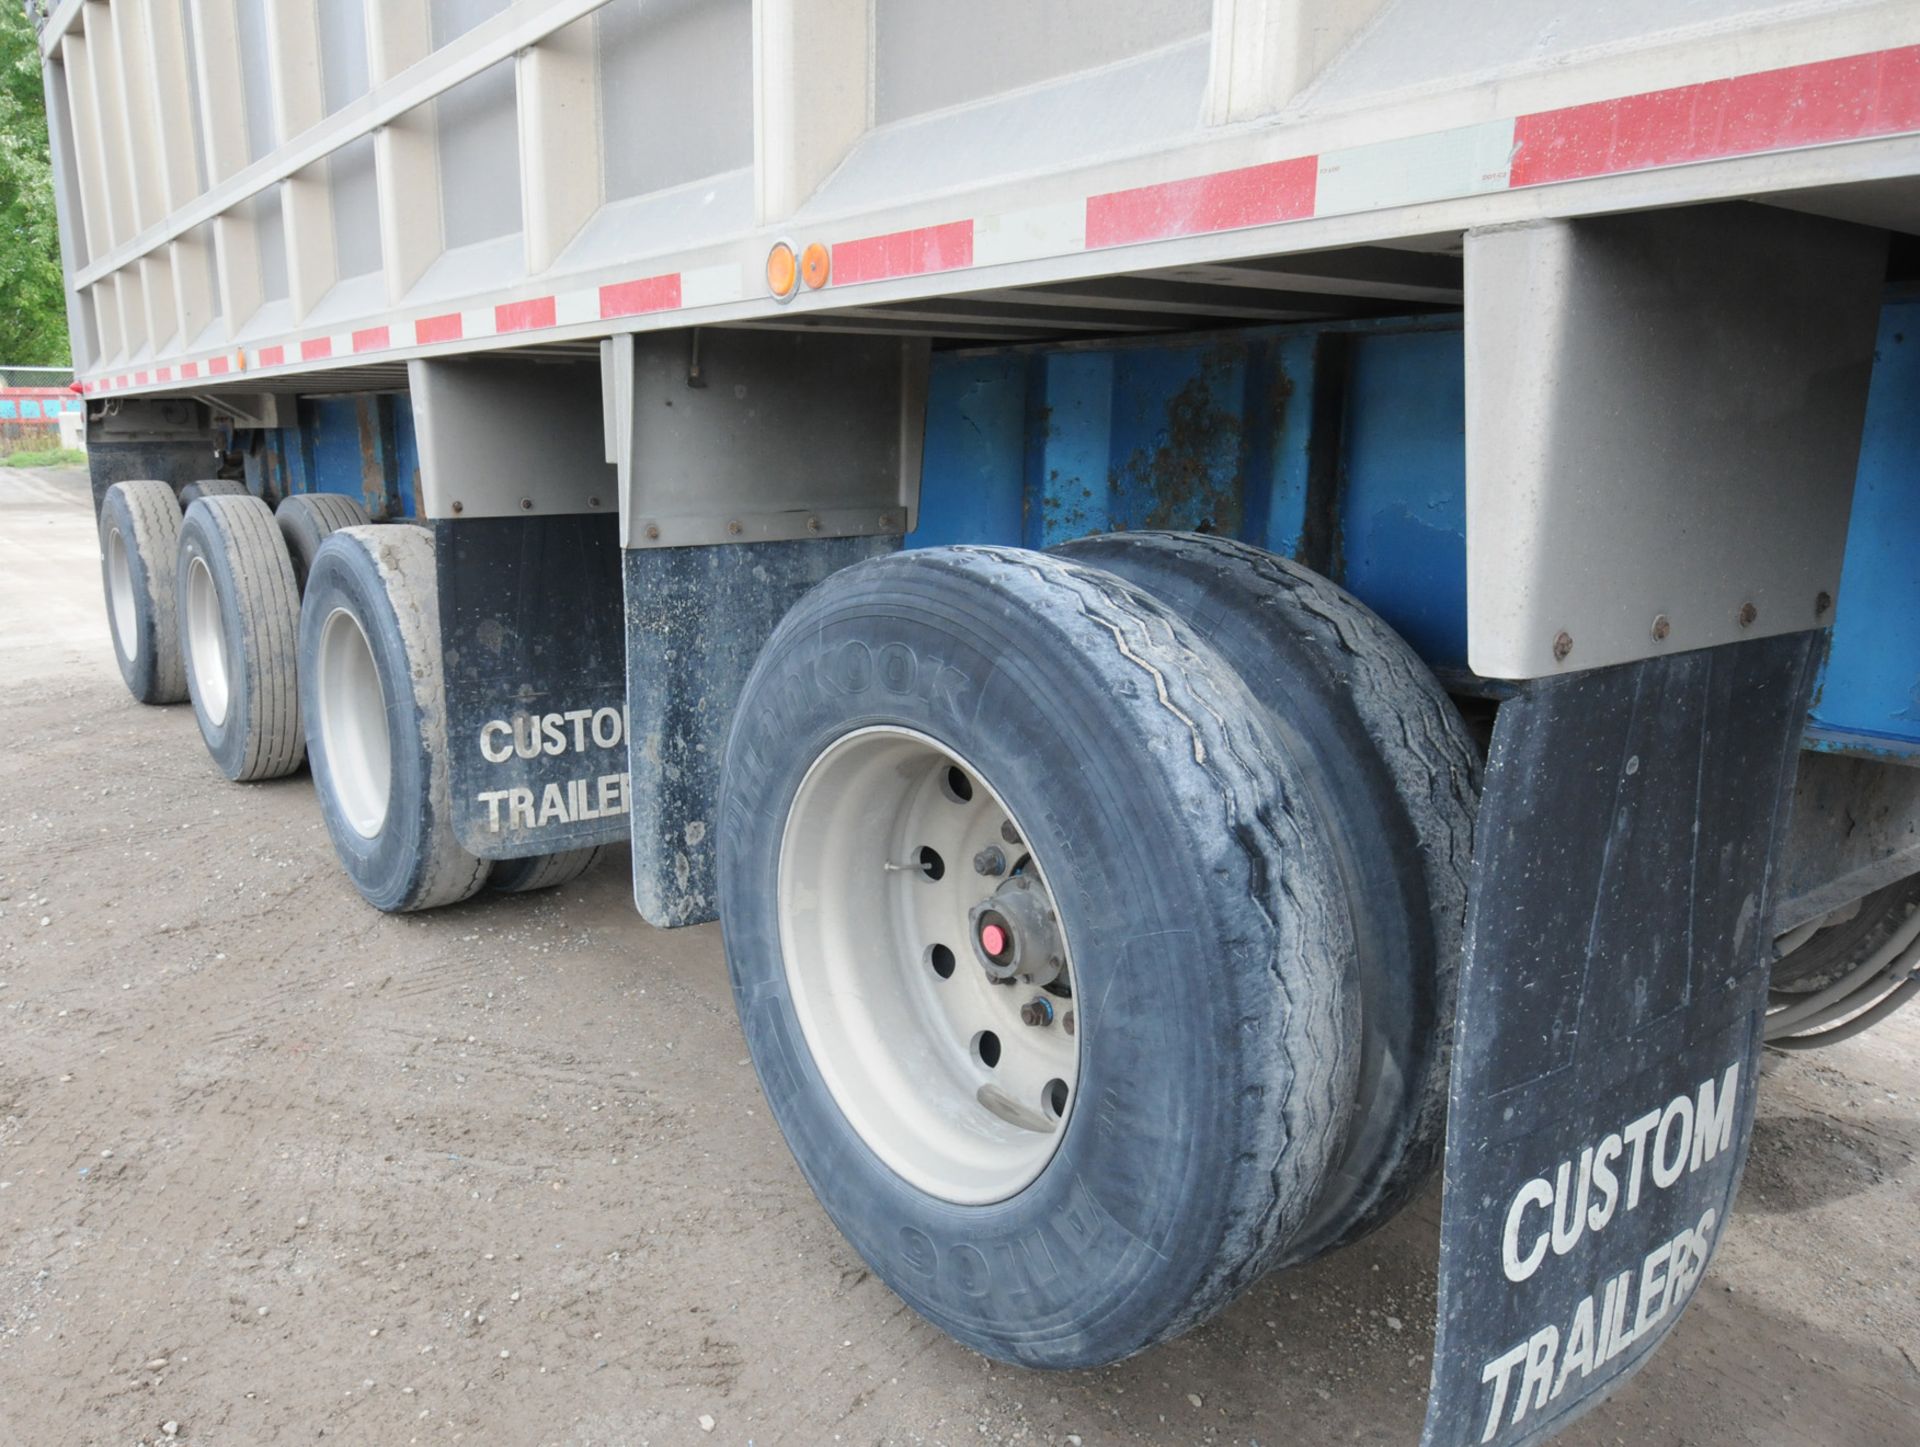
(33, 307)
(51, 457)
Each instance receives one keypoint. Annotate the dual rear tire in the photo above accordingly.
(1259, 988)
(372, 692)
(239, 612)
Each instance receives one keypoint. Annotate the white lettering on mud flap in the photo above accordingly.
(1550, 1213)
(526, 736)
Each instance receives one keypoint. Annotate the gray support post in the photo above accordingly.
(1663, 423)
(752, 465)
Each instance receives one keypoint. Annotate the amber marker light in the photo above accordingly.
(816, 265)
(783, 270)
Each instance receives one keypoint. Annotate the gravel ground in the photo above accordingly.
(274, 1167)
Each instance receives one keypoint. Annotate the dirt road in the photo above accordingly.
(274, 1167)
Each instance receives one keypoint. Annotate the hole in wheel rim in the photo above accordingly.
(207, 643)
(893, 1013)
(121, 611)
(353, 724)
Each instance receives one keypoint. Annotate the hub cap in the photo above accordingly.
(206, 642)
(920, 976)
(126, 627)
(353, 724)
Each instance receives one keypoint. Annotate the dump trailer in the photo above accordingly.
(1230, 602)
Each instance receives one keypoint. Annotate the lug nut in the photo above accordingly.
(1008, 832)
(990, 861)
(1037, 1011)
(1066, 1021)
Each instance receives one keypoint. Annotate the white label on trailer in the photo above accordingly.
(711, 285)
(1436, 167)
(570, 308)
(1031, 233)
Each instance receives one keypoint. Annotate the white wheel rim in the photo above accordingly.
(353, 724)
(125, 620)
(902, 1046)
(207, 643)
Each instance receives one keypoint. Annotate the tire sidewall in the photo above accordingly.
(387, 867)
(1077, 1267)
(203, 540)
(1407, 961)
(140, 671)
(300, 523)
(303, 539)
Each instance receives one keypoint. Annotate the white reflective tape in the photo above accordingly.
(1030, 234)
(480, 322)
(572, 307)
(1462, 162)
(711, 285)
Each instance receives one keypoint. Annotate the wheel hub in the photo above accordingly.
(352, 724)
(1016, 934)
(951, 1076)
(207, 643)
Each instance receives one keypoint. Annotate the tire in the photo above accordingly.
(1835, 949)
(210, 487)
(1205, 933)
(374, 697)
(139, 548)
(542, 871)
(308, 519)
(1396, 776)
(239, 622)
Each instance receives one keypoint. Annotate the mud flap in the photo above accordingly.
(1608, 1034)
(530, 628)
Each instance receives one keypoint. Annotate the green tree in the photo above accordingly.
(33, 305)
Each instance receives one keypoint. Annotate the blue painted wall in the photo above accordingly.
(361, 446)
(1869, 697)
(1343, 445)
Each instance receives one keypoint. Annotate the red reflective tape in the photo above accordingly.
(1224, 201)
(139, 379)
(524, 316)
(216, 366)
(632, 298)
(272, 356)
(904, 253)
(315, 349)
(372, 339)
(438, 329)
(189, 370)
(1769, 110)
(165, 374)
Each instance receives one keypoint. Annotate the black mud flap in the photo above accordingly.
(536, 675)
(1609, 1023)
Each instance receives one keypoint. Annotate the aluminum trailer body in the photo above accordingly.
(1401, 507)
